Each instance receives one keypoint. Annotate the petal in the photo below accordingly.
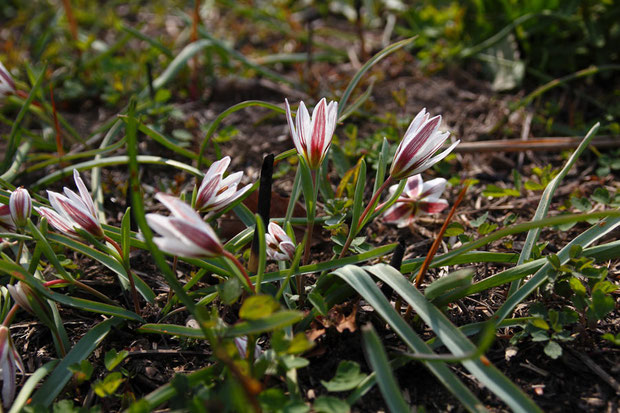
(415, 124)
(410, 149)
(277, 232)
(217, 167)
(433, 205)
(398, 212)
(433, 188)
(318, 139)
(304, 127)
(76, 213)
(84, 194)
(176, 247)
(202, 236)
(291, 126)
(432, 161)
(179, 208)
(207, 191)
(414, 186)
(58, 222)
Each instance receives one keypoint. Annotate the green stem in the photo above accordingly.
(132, 283)
(367, 210)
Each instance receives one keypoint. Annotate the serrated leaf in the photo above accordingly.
(348, 376)
(257, 307)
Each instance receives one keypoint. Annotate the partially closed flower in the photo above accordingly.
(216, 192)
(20, 205)
(6, 220)
(72, 210)
(7, 85)
(9, 361)
(418, 197)
(416, 150)
(279, 244)
(312, 136)
(184, 233)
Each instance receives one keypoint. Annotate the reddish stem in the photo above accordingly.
(59, 148)
(234, 259)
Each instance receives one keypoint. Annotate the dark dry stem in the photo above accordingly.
(367, 210)
(132, 283)
(234, 259)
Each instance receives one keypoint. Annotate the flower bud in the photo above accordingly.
(20, 205)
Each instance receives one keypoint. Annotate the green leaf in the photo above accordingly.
(299, 344)
(348, 376)
(553, 350)
(230, 290)
(601, 195)
(457, 279)
(602, 304)
(607, 336)
(294, 362)
(109, 385)
(366, 287)
(318, 302)
(455, 340)
(375, 354)
(454, 229)
(82, 371)
(275, 321)
(329, 404)
(486, 228)
(582, 204)
(257, 307)
(113, 359)
(545, 202)
(495, 191)
(28, 387)
(480, 220)
(540, 323)
(126, 234)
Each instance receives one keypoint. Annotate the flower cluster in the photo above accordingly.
(280, 247)
(418, 197)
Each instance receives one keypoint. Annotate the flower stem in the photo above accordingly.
(235, 261)
(9, 316)
(367, 210)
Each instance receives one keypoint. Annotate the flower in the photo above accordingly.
(7, 85)
(6, 220)
(216, 192)
(418, 197)
(73, 211)
(20, 206)
(9, 359)
(313, 135)
(421, 141)
(279, 244)
(184, 233)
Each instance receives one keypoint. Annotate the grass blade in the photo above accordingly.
(545, 202)
(455, 340)
(359, 279)
(375, 354)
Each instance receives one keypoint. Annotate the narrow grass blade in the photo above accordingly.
(359, 279)
(61, 375)
(375, 354)
(545, 202)
(584, 239)
(375, 59)
(216, 122)
(110, 161)
(455, 340)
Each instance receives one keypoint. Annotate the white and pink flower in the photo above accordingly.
(312, 136)
(280, 247)
(418, 197)
(71, 211)
(216, 192)
(7, 85)
(416, 150)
